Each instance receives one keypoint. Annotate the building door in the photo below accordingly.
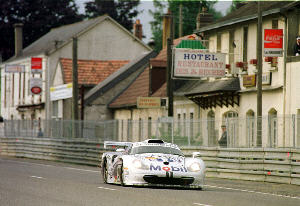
(232, 124)
(250, 129)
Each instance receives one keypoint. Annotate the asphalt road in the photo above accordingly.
(26, 182)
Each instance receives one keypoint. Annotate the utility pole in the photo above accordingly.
(169, 69)
(259, 75)
(75, 87)
(180, 20)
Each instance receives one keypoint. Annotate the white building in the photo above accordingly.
(100, 38)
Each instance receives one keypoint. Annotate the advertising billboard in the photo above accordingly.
(273, 42)
(64, 91)
(196, 63)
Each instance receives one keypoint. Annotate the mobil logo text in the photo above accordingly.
(167, 168)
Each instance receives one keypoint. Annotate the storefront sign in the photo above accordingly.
(266, 78)
(14, 68)
(36, 64)
(249, 81)
(273, 41)
(148, 102)
(196, 63)
(64, 91)
(36, 85)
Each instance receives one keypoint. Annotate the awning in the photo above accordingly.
(27, 107)
(191, 44)
(216, 93)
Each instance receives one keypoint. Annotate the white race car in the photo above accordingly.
(151, 163)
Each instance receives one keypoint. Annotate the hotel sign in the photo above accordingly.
(148, 102)
(249, 81)
(197, 63)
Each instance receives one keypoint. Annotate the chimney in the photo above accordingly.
(138, 29)
(166, 28)
(18, 39)
(203, 18)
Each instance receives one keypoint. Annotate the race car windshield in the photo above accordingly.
(156, 149)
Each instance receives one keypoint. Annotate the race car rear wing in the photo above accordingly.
(112, 143)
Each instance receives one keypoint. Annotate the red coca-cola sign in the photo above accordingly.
(273, 42)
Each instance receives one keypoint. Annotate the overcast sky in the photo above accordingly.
(145, 17)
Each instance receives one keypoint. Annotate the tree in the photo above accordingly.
(156, 24)
(123, 11)
(189, 13)
(236, 4)
(38, 17)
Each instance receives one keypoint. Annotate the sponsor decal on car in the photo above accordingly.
(167, 169)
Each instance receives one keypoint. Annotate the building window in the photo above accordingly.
(273, 136)
(245, 43)
(231, 46)
(140, 129)
(184, 124)
(219, 42)
(20, 79)
(192, 125)
(13, 90)
(55, 109)
(178, 121)
(129, 129)
(275, 24)
(211, 133)
(5, 88)
(24, 88)
(149, 127)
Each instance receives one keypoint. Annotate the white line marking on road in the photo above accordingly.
(37, 177)
(262, 193)
(201, 204)
(106, 188)
(45, 165)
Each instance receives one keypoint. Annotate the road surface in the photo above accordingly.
(25, 182)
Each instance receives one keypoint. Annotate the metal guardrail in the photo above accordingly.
(277, 131)
(280, 165)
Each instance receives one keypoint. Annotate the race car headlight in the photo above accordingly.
(137, 163)
(194, 167)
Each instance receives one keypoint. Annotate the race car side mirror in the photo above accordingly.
(120, 150)
(196, 154)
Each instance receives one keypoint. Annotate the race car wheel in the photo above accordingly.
(121, 174)
(104, 171)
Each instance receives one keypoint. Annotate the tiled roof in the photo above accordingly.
(249, 12)
(139, 88)
(58, 36)
(90, 72)
(161, 92)
(132, 69)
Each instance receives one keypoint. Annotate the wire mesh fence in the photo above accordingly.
(239, 133)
